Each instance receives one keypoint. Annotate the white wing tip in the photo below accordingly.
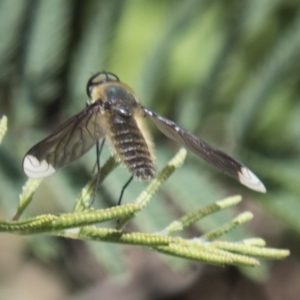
(34, 168)
(250, 180)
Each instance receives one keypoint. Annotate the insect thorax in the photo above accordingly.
(120, 100)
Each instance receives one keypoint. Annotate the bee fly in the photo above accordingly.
(114, 113)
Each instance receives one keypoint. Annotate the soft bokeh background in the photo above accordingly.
(228, 71)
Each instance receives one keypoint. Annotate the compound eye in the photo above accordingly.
(99, 78)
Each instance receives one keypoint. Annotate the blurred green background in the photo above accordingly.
(228, 71)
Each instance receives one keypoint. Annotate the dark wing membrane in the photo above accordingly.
(70, 141)
(215, 157)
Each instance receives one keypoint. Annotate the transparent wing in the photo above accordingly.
(70, 141)
(215, 157)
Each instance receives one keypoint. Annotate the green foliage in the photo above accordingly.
(226, 70)
(76, 225)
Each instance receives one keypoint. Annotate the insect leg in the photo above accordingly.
(98, 153)
(123, 189)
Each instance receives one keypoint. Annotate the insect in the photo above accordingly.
(114, 113)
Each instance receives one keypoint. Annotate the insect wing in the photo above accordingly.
(69, 142)
(215, 157)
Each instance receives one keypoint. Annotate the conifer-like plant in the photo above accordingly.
(82, 223)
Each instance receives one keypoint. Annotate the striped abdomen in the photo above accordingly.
(131, 146)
